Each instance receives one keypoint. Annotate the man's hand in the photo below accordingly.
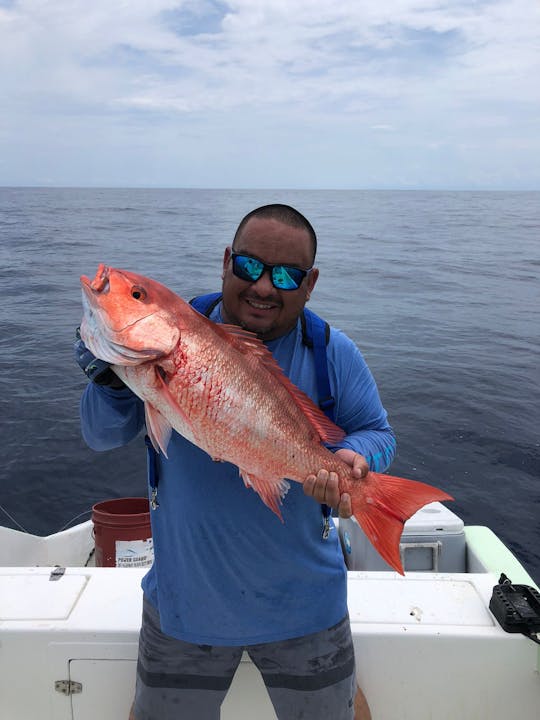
(324, 487)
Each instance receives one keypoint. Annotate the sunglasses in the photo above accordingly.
(284, 277)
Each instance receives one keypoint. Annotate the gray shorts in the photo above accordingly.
(309, 677)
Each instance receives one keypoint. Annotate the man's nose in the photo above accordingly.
(264, 284)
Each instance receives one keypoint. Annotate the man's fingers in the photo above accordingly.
(345, 506)
(323, 487)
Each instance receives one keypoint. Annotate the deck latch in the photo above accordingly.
(68, 687)
(57, 573)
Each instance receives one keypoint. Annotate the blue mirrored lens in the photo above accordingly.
(247, 268)
(287, 278)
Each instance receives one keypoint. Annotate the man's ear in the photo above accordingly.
(311, 281)
(226, 257)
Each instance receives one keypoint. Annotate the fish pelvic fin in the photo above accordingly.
(270, 491)
(158, 427)
(383, 503)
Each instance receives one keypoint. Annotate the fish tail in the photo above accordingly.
(382, 503)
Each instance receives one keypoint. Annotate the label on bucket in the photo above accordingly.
(134, 553)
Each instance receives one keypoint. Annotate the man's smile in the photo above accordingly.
(259, 305)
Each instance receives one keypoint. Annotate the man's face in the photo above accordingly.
(259, 306)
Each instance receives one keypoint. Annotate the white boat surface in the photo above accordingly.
(427, 645)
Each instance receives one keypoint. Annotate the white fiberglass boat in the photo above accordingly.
(427, 644)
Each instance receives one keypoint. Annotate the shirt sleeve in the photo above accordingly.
(110, 418)
(359, 410)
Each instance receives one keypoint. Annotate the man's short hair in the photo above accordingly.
(283, 213)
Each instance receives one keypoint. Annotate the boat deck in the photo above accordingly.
(427, 645)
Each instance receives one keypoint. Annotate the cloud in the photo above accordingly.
(120, 75)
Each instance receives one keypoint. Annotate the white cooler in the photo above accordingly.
(433, 540)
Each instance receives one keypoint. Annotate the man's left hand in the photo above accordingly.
(324, 487)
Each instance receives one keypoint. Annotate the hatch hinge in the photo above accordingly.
(68, 687)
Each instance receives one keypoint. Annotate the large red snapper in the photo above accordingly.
(219, 387)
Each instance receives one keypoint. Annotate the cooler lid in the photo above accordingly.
(36, 597)
(416, 601)
(434, 518)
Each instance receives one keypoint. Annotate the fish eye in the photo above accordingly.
(138, 293)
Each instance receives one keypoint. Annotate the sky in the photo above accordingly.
(400, 94)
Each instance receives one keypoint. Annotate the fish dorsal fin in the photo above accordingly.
(249, 344)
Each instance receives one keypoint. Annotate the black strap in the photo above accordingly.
(315, 334)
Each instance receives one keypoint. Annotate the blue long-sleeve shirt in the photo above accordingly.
(226, 570)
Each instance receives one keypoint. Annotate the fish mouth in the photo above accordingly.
(86, 284)
(91, 288)
(99, 335)
(100, 285)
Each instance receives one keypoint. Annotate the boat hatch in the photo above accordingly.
(417, 601)
(39, 596)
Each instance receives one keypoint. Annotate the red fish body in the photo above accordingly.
(219, 387)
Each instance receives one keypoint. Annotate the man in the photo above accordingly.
(227, 575)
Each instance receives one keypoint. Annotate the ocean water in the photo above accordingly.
(440, 290)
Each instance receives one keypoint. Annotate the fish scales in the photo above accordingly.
(264, 420)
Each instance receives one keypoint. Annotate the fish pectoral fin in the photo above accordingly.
(158, 427)
(270, 490)
(162, 380)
